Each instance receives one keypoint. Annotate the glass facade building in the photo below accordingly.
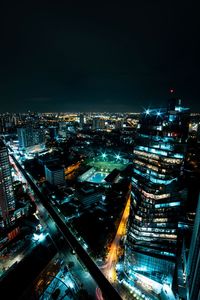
(157, 199)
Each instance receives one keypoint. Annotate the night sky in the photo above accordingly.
(57, 56)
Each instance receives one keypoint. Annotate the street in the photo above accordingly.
(109, 268)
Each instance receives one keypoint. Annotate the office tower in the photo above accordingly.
(8, 122)
(119, 124)
(53, 132)
(7, 200)
(82, 120)
(25, 136)
(151, 245)
(39, 136)
(193, 263)
(55, 175)
(1, 124)
(98, 123)
(62, 130)
(29, 136)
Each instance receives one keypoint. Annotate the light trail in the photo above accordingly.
(109, 268)
(99, 294)
(72, 168)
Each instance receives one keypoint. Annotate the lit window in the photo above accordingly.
(172, 204)
(160, 220)
(138, 218)
(152, 196)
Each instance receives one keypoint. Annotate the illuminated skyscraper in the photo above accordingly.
(7, 201)
(25, 136)
(151, 244)
(193, 263)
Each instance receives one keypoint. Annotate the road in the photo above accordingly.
(109, 268)
(107, 289)
(79, 273)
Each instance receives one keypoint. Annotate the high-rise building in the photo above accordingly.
(119, 124)
(98, 123)
(193, 263)
(62, 130)
(39, 136)
(82, 120)
(53, 132)
(55, 175)
(8, 122)
(29, 136)
(157, 199)
(7, 200)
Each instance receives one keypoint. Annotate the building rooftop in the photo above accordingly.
(111, 177)
(54, 167)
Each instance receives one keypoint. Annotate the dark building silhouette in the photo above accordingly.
(193, 263)
(7, 200)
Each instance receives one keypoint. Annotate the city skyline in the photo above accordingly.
(131, 180)
(100, 150)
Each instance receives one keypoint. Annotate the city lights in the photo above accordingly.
(154, 195)
(118, 157)
(99, 151)
(105, 175)
(38, 237)
(158, 113)
(104, 155)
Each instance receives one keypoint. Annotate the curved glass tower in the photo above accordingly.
(151, 244)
